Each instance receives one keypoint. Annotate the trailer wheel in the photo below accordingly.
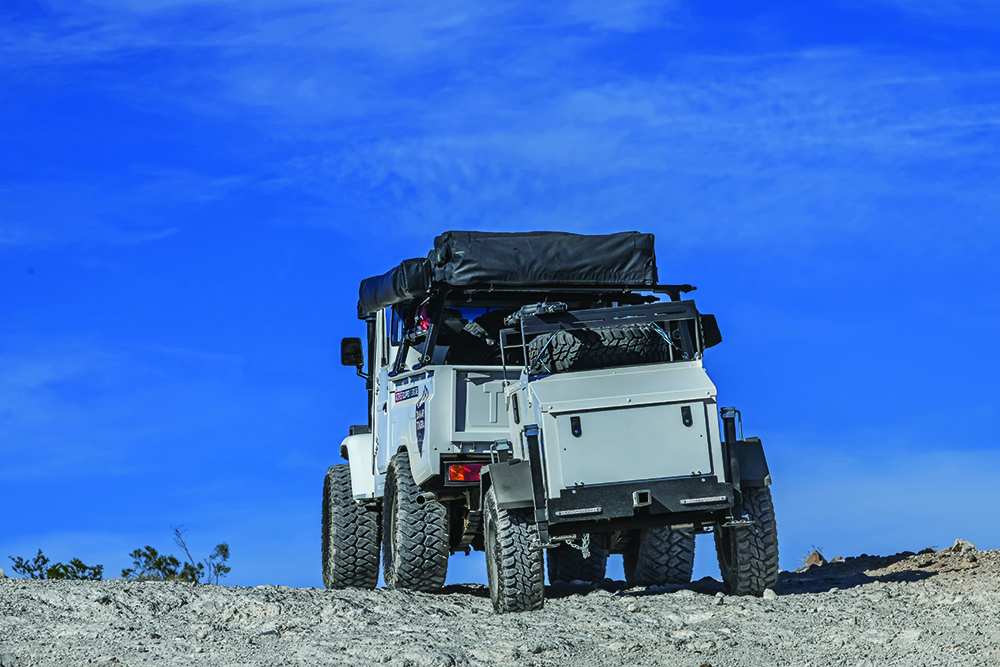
(513, 564)
(415, 537)
(659, 556)
(350, 534)
(604, 347)
(748, 557)
(566, 564)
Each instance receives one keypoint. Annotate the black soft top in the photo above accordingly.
(517, 261)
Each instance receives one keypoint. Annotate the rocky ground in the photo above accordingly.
(930, 608)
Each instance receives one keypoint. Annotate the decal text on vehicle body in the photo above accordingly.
(404, 394)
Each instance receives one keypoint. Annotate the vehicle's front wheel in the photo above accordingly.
(659, 556)
(415, 537)
(513, 565)
(567, 564)
(350, 534)
(748, 557)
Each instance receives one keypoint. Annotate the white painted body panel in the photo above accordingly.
(630, 416)
(359, 454)
(631, 424)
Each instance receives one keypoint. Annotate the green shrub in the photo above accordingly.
(147, 565)
(39, 568)
(150, 565)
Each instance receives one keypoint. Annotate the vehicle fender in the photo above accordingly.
(360, 455)
(753, 464)
(511, 482)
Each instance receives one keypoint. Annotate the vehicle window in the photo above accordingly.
(396, 328)
(470, 314)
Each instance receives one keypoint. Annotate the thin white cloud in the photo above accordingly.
(139, 205)
(393, 29)
(968, 12)
(784, 139)
(427, 116)
(76, 409)
(624, 16)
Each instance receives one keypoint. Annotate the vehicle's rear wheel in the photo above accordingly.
(350, 534)
(748, 557)
(513, 565)
(566, 564)
(604, 347)
(415, 537)
(659, 556)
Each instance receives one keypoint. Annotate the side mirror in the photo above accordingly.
(351, 352)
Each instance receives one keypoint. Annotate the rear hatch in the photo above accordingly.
(627, 424)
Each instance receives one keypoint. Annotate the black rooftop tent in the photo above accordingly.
(520, 260)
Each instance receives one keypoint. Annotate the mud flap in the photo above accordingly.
(753, 464)
(511, 482)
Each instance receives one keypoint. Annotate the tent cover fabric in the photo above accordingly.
(517, 260)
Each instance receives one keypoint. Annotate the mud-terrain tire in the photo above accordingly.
(748, 557)
(566, 564)
(415, 537)
(514, 567)
(659, 556)
(605, 347)
(351, 534)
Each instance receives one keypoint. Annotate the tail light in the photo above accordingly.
(465, 472)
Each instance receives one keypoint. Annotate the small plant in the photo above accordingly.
(805, 559)
(150, 565)
(147, 565)
(39, 568)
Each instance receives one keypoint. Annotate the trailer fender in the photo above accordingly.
(753, 464)
(511, 482)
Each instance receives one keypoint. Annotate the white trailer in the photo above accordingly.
(531, 394)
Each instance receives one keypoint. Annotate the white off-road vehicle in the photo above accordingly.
(532, 394)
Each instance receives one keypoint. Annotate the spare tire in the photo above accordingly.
(580, 349)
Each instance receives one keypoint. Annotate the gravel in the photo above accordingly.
(929, 608)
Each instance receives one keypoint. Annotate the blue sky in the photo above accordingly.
(191, 190)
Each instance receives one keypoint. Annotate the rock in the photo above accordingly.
(962, 546)
(838, 559)
(815, 558)
(883, 610)
(769, 594)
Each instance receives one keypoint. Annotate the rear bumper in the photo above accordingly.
(693, 500)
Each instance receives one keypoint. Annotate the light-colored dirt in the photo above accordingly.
(934, 608)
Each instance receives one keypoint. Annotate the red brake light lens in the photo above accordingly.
(465, 472)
